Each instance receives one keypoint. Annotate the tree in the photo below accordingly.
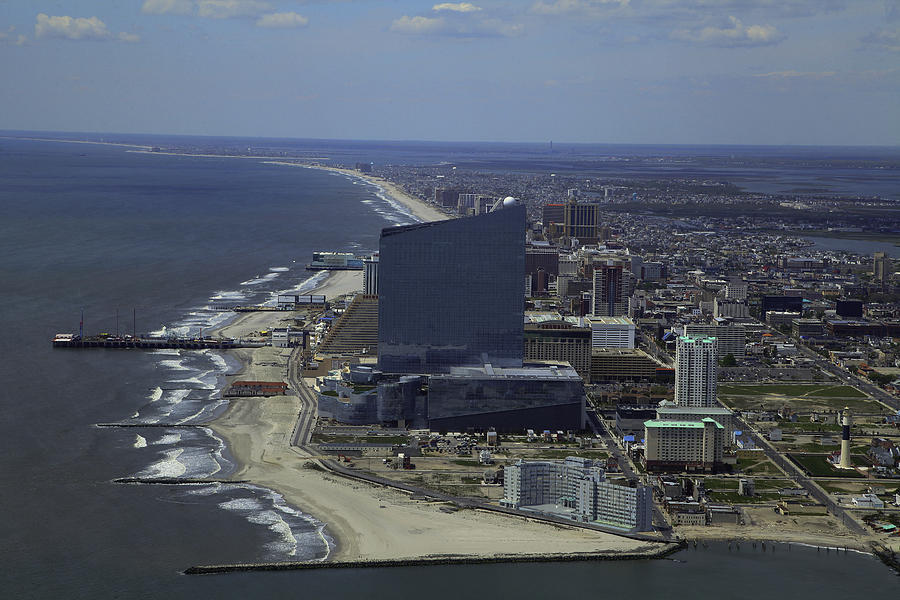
(728, 360)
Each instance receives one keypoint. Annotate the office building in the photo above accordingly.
(450, 293)
(613, 286)
(626, 364)
(807, 328)
(541, 258)
(611, 332)
(684, 445)
(882, 267)
(577, 489)
(509, 400)
(730, 308)
(777, 318)
(792, 304)
(581, 221)
(446, 198)
(849, 309)
(730, 339)
(696, 370)
(736, 289)
(553, 213)
(370, 275)
(550, 337)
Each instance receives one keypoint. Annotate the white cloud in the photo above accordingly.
(230, 9)
(417, 25)
(563, 7)
(733, 34)
(455, 27)
(167, 7)
(796, 74)
(77, 28)
(462, 7)
(285, 20)
(9, 36)
(884, 39)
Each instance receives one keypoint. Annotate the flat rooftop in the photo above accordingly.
(524, 372)
(693, 410)
(681, 424)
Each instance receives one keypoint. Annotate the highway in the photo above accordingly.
(306, 419)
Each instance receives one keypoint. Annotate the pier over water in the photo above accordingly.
(65, 340)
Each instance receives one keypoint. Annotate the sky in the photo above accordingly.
(810, 72)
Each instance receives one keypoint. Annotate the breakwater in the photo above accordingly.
(665, 550)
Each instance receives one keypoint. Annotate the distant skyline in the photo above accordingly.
(772, 72)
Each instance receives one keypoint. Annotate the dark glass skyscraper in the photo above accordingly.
(451, 293)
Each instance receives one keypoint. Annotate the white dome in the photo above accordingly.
(510, 201)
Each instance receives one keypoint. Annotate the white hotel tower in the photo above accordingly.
(696, 370)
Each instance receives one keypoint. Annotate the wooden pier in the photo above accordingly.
(155, 343)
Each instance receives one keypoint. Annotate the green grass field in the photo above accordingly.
(818, 466)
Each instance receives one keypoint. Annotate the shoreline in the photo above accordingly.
(422, 210)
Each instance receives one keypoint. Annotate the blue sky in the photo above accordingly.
(607, 71)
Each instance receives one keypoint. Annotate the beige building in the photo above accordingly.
(683, 445)
(625, 364)
(550, 337)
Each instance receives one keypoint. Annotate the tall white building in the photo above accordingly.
(611, 332)
(696, 370)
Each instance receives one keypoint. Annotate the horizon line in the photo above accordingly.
(7, 132)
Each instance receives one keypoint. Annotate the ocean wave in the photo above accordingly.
(279, 269)
(304, 287)
(259, 280)
(296, 534)
(168, 466)
(140, 441)
(228, 295)
(168, 439)
(156, 394)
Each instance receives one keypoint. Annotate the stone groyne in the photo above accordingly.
(666, 550)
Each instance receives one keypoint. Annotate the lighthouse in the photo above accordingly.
(845, 439)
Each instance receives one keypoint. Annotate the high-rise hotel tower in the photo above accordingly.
(696, 370)
(450, 293)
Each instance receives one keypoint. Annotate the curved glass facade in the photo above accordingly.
(451, 293)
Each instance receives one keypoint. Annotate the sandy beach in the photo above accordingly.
(369, 522)
(422, 210)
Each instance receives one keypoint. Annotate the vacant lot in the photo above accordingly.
(799, 397)
(795, 390)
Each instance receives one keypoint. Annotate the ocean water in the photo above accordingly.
(143, 243)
